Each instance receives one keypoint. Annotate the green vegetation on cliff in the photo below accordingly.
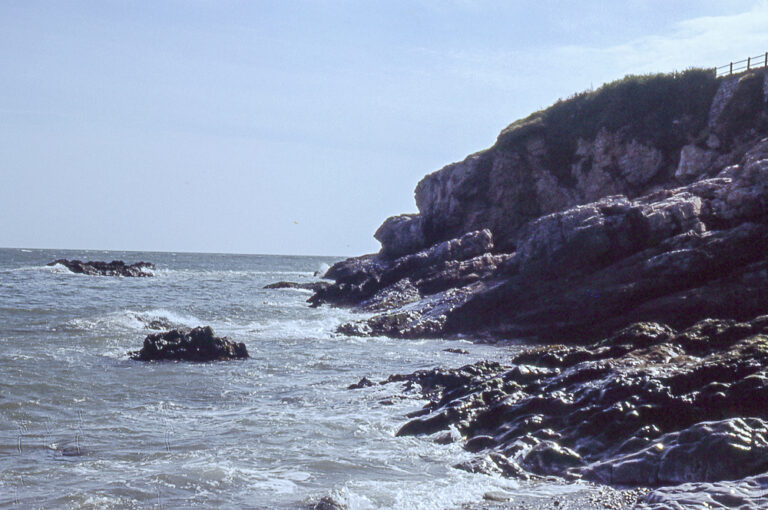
(662, 110)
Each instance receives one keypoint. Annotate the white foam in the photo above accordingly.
(134, 320)
(56, 269)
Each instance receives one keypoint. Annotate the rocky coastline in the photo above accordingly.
(623, 234)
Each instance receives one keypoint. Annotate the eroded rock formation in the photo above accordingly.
(625, 232)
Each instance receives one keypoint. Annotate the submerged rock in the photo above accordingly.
(196, 344)
(114, 268)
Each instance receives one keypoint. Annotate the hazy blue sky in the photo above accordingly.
(294, 126)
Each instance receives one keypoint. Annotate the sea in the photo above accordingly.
(84, 426)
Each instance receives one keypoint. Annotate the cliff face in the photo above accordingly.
(644, 200)
(628, 138)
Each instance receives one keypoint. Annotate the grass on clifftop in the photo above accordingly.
(663, 110)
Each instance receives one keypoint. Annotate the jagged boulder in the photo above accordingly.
(195, 344)
(114, 268)
(401, 235)
(445, 264)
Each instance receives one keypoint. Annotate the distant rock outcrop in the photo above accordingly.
(196, 344)
(114, 268)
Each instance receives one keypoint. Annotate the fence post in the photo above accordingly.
(748, 59)
(730, 71)
(765, 64)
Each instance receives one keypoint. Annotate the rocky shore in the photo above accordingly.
(624, 234)
(646, 407)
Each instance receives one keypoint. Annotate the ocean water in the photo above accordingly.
(83, 426)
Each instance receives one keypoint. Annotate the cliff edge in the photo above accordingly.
(644, 200)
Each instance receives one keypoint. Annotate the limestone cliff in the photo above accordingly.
(630, 138)
(644, 200)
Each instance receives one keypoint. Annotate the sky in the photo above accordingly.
(295, 127)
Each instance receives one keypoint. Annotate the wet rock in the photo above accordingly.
(437, 267)
(313, 286)
(362, 383)
(456, 351)
(160, 323)
(75, 451)
(746, 494)
(114, 268)
(646, 406)
(196, 344)
(548, 457)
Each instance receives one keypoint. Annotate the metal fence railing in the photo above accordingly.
(743, 65)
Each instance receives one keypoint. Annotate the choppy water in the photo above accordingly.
(276, 431)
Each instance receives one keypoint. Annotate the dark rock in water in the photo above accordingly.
(362, 383)
(446, 265)
(328, 503)
(114, 268)
(75, 451)
(196, 344)
(456, 351)
(313, 286)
